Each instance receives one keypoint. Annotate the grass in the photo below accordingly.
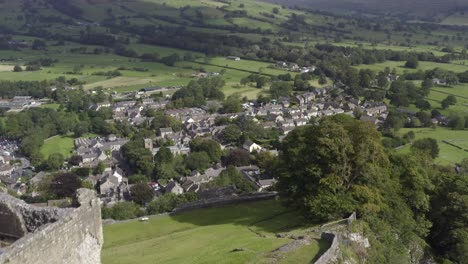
(423, 65)
(448, 154)
(207, 236)
(58, 144)
(51, 106)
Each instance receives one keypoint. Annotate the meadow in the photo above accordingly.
(423, 65)
(60, 144)
(57, 144)
(209, 236)
(448, 154)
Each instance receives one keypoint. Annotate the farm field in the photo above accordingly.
(208, 236)
(423, 65)
(448, 154)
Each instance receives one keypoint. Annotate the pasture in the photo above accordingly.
(57, 144)
(209, 236)
(448, 154)
(423, 65)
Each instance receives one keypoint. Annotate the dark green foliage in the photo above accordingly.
(278, 89)
(161, 120)
(231, 134)
(196, 92)
(141, 193)
(199, 161)
(210, 147)
(64, 185)
(426, 145)
(17, 68)
(138, 157)
(137, 178)
(122, 211)
(450, 100)
(231, 177)
(55, 161)
(402, 93)
(170, 201)
(412, 63)
(232, 104)
(237, 157)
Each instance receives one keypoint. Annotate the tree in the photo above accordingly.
(75, 160)
(64, 185)
(55, 161)
(426, 86)
(322, 79)
(232, 104)
(450, 100)
(321, 168)
(141, 193)
(412, 63)
(278, 89)
(164, 155)
(456, 122)
(137, 178)
(17, 68)
(121, 211)
(231, 134)
(423, 105)
(231, 177)
(426, 145)
(382, 80)
(237, 157)
(39, 44)
(199, 161)
(210, 147)
(275, 10)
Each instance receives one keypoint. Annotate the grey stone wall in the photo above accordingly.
(55, 236)
(332, 253)
(224, 201)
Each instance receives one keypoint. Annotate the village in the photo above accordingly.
(282, 115)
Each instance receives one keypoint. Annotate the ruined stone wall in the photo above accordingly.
(72, 236)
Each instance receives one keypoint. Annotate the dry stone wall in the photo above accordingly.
(52, 235)
(224, 201)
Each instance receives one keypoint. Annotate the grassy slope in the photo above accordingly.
(58, 144)
(206, 236)
(448, 154)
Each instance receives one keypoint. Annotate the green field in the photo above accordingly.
(448, 154)
(423, 65)
(209, 236)
(58, 144)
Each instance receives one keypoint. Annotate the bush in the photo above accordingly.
(17, 68)
(122, 211)
(170, 201)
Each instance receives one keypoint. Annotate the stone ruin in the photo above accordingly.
(30, 234)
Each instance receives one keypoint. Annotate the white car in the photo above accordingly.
(144, 219)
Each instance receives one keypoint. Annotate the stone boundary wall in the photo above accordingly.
(224, 201)
(73, 238)
(332, 253)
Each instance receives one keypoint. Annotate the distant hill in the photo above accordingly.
(415, 7)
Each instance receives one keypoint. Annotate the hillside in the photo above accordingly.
(422, 8)
(189, 237)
